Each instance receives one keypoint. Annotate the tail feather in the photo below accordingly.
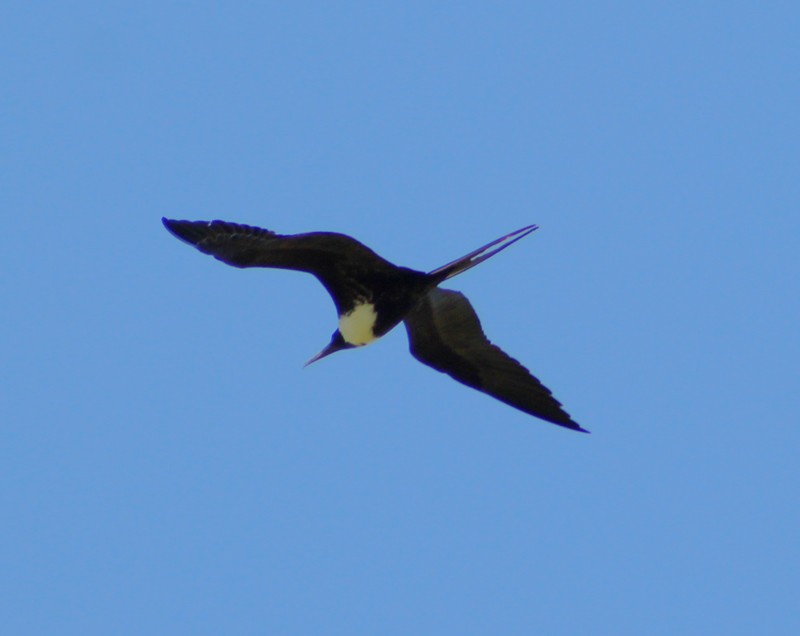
(481, 254)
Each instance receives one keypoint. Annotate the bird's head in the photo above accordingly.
(337, 343)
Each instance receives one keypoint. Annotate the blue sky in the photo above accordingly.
(167, 465)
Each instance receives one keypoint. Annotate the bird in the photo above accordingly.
(372, 296)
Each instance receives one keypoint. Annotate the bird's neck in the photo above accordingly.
(357, 326)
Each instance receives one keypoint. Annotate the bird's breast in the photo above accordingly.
(358, 325)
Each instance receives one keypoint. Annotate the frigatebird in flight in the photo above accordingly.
(372, 296)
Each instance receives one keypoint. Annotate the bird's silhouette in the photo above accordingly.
(372, 296)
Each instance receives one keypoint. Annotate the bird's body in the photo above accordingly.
(372, 296)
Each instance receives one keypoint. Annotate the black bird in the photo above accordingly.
(372, 296)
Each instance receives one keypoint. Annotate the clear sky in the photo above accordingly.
(168, 467)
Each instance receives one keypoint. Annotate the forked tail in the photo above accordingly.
(481, 254)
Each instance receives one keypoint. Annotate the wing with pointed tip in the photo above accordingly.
(335, 259)
(444, 333)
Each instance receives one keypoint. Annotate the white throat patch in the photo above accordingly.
(357, 326)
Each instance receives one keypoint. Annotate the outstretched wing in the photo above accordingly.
(444, 332)
(335, 259)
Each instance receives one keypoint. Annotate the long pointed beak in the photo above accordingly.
(331, 348)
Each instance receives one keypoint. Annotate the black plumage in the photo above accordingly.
(444, 331)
